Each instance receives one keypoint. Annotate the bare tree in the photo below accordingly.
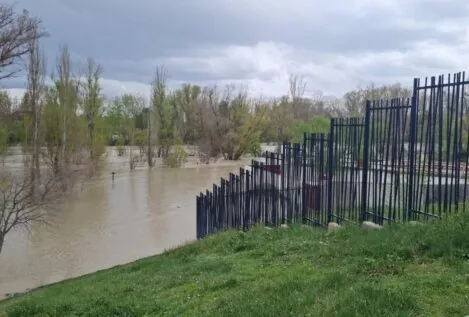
(299, 105)
(17, 32)
(230, 123)
(24, 201)
(354, 101)
(297, 86)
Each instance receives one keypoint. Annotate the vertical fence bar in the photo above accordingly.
(330, 170)
(366, 144)
(198, 210)
(413, 123)
(303, 181)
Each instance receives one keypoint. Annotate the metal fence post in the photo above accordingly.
(197, 217)
(330, 169)
(303, 182)
(366, 143)
(412, 136)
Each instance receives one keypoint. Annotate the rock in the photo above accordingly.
(284, 226)
(415, 223)
(371, 225)
(333, 226)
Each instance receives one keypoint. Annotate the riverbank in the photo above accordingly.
(401, 271)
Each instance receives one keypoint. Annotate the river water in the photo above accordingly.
(105, 224)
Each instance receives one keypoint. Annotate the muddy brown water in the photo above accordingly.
(143, 213)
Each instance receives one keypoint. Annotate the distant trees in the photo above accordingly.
(223, 122)
(354, 101)
(123, 117)
(231, 125)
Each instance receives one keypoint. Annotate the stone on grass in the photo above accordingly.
(332, 226)
(371, 225)
(284, 226)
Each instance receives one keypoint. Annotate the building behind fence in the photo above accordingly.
(406, 159)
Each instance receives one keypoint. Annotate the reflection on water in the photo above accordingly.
(105, 224)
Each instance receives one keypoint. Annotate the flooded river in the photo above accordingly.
(143, 213)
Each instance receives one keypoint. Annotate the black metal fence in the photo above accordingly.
(405, 160)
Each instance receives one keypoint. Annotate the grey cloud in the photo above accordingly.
(140, 29)
(124, 35)
(436, 10)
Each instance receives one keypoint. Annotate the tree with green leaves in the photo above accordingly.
(34, 105)
(186, 101)
(317, 124)
(93, 110)
(167, 115)
(123, 113)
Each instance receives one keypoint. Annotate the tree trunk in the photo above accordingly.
(91, 140)
(64, 134)
(36, 146)
(2, 239)
(149, 149)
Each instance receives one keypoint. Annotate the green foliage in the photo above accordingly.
(317, 124)
(122, 119)
(98, 146)
(255, 145)
(177, 157)
(402, 270)
(165, 117)
(16, 132)
(120, 150)
(4, 137)
(189, 115)
(120, 146)
(234, 129)
(92, 111)
(51, 124)
(166, 125)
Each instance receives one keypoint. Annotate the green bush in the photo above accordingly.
(177, 157)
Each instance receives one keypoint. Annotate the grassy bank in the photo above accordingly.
(400, 271)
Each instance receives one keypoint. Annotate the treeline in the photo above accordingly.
(75, 118)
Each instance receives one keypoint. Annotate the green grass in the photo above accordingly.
(399, 271)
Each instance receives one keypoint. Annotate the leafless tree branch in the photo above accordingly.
(24, 200)
(17, 31)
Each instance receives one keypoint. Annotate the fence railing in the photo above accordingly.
(406, 159)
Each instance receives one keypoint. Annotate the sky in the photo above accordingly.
(335, 45)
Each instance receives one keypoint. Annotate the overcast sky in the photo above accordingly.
(335, 44)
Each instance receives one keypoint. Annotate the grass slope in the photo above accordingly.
(399, 271)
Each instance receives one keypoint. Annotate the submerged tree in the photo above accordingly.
(124, 112)
(35, 102)
(93, 109)
(25, 200)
